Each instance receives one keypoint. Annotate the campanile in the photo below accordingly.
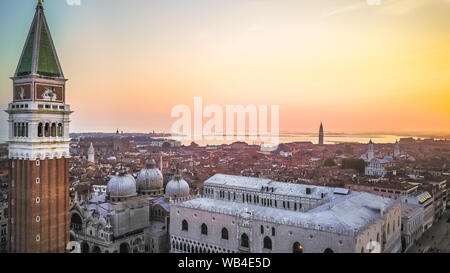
(39, 147)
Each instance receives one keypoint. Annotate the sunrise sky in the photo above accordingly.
(354, 66)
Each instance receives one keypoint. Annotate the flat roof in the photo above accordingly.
(280, 188)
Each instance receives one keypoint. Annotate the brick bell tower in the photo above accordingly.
(39, 147)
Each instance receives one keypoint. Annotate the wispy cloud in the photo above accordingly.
(403, 7)
(392, 7)
(353, 7)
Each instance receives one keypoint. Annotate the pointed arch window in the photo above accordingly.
(224, 233)
(244, 240)
(267, 243)
(204, 229)
(297, 248)
(185, 226)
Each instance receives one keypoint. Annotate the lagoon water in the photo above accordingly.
(330, 138)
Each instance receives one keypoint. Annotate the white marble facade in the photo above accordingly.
(242, 214)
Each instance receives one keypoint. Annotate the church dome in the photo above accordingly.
(121, 186)
(150, 178)
(177, 187)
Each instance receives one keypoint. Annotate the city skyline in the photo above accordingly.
(228, 178)
(388, 73)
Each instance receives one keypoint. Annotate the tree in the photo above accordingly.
(348, 150)
(329, 162)
(353, 163)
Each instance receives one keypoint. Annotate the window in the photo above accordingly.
(244, 240)
(38, 238)
(38, 163)
(262, 229)
(38, 219)
(38, 180)
(297, 248)
(267, 243)
(38, 200)
(328, 250)
(224, 233)
(204, 229)
(60, 130)
(40, 130)
(273, 231)
(53, 129)
(184, 225)
(47, 130)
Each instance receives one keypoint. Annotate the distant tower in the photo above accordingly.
(91, 154)
(396, 150)
(370, 152)
(39, 142)
(321, 134)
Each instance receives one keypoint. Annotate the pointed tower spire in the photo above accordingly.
(43, 135)
(39, 56)
(321, 135)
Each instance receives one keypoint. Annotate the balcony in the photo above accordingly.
(41, 106)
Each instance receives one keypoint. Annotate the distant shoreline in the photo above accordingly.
(291, 137)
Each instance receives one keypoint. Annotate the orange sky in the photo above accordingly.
(353, 66)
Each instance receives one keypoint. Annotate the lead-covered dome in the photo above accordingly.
(177, 187)
(121, 186)
(150, 178)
